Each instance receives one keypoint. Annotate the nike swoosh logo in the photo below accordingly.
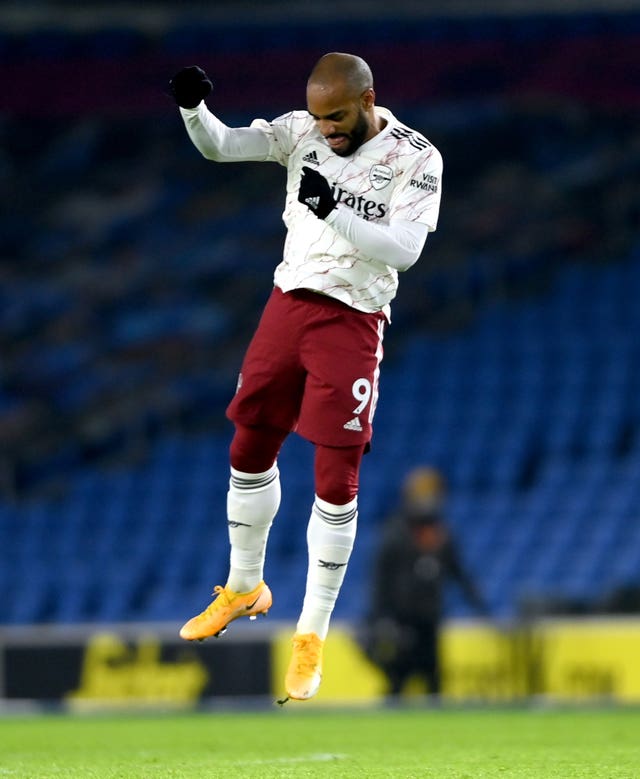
(251, 605)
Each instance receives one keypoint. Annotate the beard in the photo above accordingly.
(356, 136)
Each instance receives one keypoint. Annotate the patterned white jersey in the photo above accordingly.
(395, 175)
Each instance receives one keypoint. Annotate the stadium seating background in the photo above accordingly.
(133, 272)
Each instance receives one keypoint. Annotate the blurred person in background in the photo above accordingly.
(362, 194)
(416, 559)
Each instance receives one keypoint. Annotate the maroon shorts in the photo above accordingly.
(312, 366)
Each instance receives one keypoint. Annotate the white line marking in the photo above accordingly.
(319, 757)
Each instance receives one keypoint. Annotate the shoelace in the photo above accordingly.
(221, 600)
(307, 654)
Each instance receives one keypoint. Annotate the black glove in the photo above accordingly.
(315, 193)
(190, 86)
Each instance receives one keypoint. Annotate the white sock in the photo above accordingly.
(252, 503)
(330, 536)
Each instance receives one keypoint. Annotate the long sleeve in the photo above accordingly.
(397, 244)
(217, 142)
(458, 572)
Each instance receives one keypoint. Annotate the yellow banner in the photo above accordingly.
(585, 659)
(569, 660)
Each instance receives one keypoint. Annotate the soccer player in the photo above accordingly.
(362, 194)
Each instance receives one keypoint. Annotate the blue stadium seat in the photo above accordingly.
(123, 312)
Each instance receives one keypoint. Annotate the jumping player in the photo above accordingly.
(363, 192)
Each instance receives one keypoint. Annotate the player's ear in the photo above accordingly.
(368, 98)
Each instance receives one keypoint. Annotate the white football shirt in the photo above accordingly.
(395, 175)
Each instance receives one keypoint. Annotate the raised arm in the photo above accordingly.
(213, 139)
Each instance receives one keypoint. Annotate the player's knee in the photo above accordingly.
(337, 471)
(255, 449)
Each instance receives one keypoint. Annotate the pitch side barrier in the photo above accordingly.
(88, 667)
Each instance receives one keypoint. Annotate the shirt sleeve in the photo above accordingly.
(217, 142)
(417, 198)
(398, 244)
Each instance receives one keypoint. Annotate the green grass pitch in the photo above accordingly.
(401, 742)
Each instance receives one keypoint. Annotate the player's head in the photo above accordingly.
(341, 99)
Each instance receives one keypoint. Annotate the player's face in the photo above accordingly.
(343, 122)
